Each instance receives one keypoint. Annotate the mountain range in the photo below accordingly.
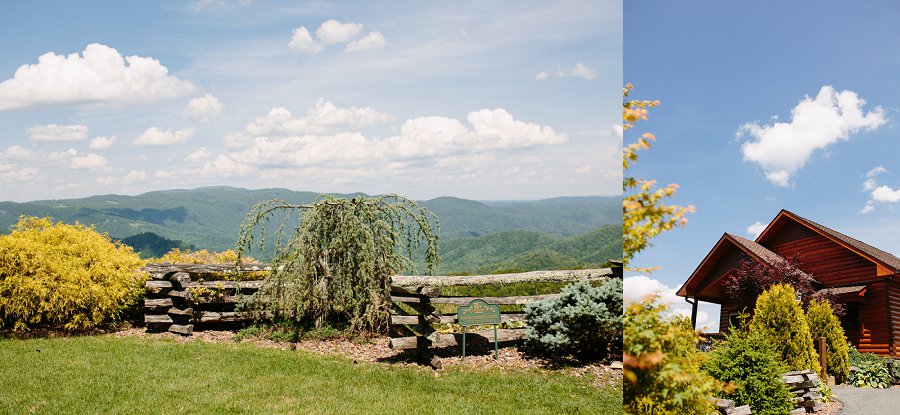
(477, 236)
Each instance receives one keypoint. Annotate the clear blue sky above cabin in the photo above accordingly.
(766, 105)
(483, 100)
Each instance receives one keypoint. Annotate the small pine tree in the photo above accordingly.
(584, 321)
(780, 318)
(823, 323)
(749, 361)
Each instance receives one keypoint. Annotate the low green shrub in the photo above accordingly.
(749, 361)
(823, 323)
(870, 374)
(67, 277)
(584, 322)
(662, 365)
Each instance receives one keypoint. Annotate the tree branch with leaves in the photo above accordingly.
(644, 213)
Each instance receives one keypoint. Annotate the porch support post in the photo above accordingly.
(693, 311)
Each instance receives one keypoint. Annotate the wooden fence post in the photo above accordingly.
(822, 359)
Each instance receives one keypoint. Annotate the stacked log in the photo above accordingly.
(804, 385)
(726, 407)
(171, 305)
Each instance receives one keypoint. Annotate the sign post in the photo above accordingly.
(479, 313)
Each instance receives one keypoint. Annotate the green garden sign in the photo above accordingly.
(479, 313)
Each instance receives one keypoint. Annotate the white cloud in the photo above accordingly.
(102, 142)
(198, 156)
(333, 31)
(639, 287)
(373, 40)
(53, 132)
(303, 42)
(224, 166)
(618, 130)
(879, 194)
(16, 152)
(886, 194)
(585, 169)
(423, 137)
(134, 176)
(88, 161)
(18, 175)
(100, 75)
(59, 155)
(756, 228)
(782, 149)
(876, 171)
(321, 118)
(204, 109)
(156, 137)
(582, 71)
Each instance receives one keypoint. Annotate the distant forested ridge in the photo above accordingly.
(475, 235)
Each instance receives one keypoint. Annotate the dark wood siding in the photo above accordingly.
(894, 308)
(875, 334)
(827, 261)
(727, 310)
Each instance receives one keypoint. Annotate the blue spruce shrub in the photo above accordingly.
(584, 322)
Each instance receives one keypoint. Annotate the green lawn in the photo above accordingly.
(112, 375)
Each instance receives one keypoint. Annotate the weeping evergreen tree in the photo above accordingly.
(335, 267)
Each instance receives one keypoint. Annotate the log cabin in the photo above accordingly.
(856, 274)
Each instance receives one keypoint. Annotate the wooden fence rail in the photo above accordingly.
(182, 296)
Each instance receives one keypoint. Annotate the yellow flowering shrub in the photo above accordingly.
(64, 276)
(202, 256)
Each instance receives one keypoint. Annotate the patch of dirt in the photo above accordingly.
(831, 408)
(377, 350)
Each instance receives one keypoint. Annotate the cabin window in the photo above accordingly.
(850, 320)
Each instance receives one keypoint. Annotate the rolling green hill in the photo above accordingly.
(210, 217)
(519, 250)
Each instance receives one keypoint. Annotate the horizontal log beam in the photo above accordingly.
(220, 316)
(158, 319)
(451, 319)
(203, 268)
(416, 283)
(449, 340)
(512, 300)
(158, 284)
(226, 284)
(158, 302)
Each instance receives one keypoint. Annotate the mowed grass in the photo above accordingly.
(125, 375)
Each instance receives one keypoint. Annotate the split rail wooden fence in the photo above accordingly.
(181, 297)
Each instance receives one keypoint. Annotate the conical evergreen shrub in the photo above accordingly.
(823, 323)
(780, 318)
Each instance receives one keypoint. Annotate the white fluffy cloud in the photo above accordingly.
(53, 132)
(88, 161)
(878, 193)
(99, 75)
(782, 149)
(373, 40)
(756, 228)
(102, 142)
(9, 173)
(637, 288)
(134, 176)
(333, 32)
(204, 109)
(580, 70)
(156, 137)
(268, 144)
(303, 42)
(16, 152)
(321, 118)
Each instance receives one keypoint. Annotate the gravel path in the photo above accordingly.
(868, 401)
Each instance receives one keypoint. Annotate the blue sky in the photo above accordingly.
(789, 76)
(477, 99)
